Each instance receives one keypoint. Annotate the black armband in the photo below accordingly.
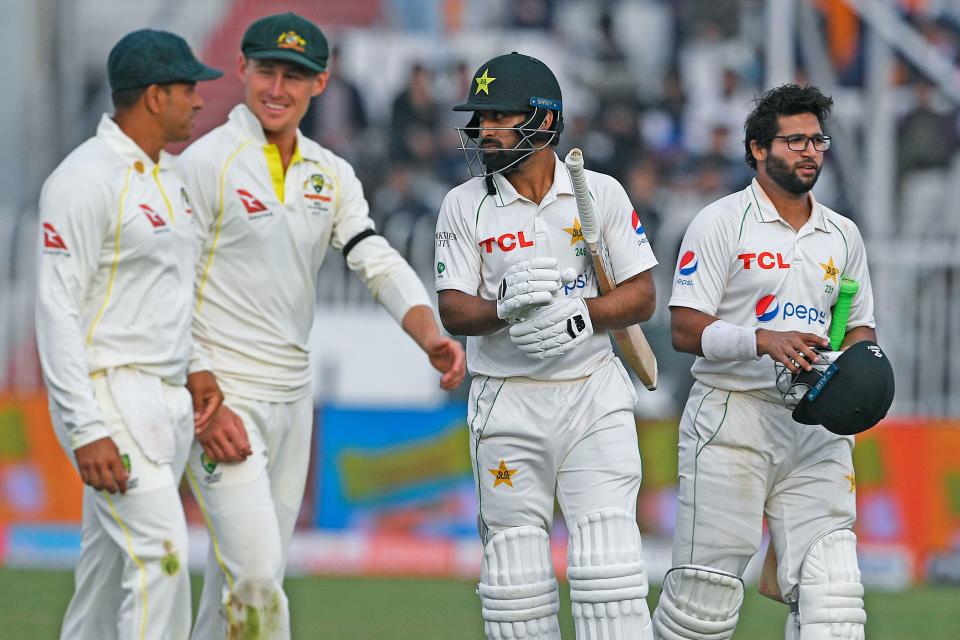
(355, 240)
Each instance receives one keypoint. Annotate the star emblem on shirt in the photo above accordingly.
(484, 82)
(830, 271)
(503, 475)
(852, 479)
(575, 231)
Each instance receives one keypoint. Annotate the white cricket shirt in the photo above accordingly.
(265, 234)
(741, 262)
(115, 277)
(479, 236)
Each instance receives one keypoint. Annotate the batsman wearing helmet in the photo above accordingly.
(551, 408)
(269, 203)
(755, 290)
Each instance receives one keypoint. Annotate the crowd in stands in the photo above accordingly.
(669, 85)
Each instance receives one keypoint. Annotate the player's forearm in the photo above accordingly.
(466, 315)
(859, 334)
(686, 329)
(419, 323)
(630, 303)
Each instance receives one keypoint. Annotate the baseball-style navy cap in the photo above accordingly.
(146, 57)
(287, 36)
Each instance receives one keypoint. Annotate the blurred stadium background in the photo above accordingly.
(655, 92)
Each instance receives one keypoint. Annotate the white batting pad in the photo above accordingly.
(608, 578)
(831, 596)
(698, 603)
(518, 589)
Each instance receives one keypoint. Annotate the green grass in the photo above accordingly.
(419, 609)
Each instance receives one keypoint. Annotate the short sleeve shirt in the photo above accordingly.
(741, 262)
(479, 236)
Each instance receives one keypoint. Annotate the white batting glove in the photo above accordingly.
(526, 286)
(553, 330)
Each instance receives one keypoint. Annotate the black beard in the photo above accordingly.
(780, 173)
(499, 159)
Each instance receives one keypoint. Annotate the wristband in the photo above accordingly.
(722, 341)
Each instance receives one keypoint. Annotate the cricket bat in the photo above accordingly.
(633, 344)
(768, 585)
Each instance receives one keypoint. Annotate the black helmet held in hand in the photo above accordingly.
(853, 393)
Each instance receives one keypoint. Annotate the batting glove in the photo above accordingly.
(553, 330)
(526, 286)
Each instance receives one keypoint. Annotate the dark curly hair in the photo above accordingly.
(785, 100)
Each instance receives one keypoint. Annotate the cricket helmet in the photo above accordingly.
(512, 83)
(847, 391)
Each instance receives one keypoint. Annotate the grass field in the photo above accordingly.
(417, 609)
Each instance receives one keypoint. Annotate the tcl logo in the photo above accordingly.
(765, 260)
(506, 242)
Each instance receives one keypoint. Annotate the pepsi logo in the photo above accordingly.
(688, 263)
(767, 308)
(637, 225)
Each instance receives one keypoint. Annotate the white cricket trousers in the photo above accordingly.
(131, 580)
(532, 441)
(743, 457)
(250, 509)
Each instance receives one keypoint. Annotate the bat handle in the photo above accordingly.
(841, 312)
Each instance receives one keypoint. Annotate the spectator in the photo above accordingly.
(337, 119)
(413, 117)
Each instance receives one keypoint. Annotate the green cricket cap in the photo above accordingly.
(146, 57)
(287, 36)
(513, 83)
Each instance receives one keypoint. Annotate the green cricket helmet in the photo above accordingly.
(511, 83)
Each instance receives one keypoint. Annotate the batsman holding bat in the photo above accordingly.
(551, 407)
(759, 275)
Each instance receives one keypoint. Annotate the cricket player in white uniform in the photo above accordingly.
(551, 408)
(758, 275)
(269, 203)
(114, 300)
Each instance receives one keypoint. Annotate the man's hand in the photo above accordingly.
(526, 286)
(207, 398)
(792, 348)
(553, 330)
(225, 438)
(100, 466)
(446, 356)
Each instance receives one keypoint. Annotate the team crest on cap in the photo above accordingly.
(483, 82)
(767, 308)
(291, 40)
(688, 263)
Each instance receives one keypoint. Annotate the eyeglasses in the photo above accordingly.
(799, 142)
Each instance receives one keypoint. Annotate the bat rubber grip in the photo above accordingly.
(841, 312)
